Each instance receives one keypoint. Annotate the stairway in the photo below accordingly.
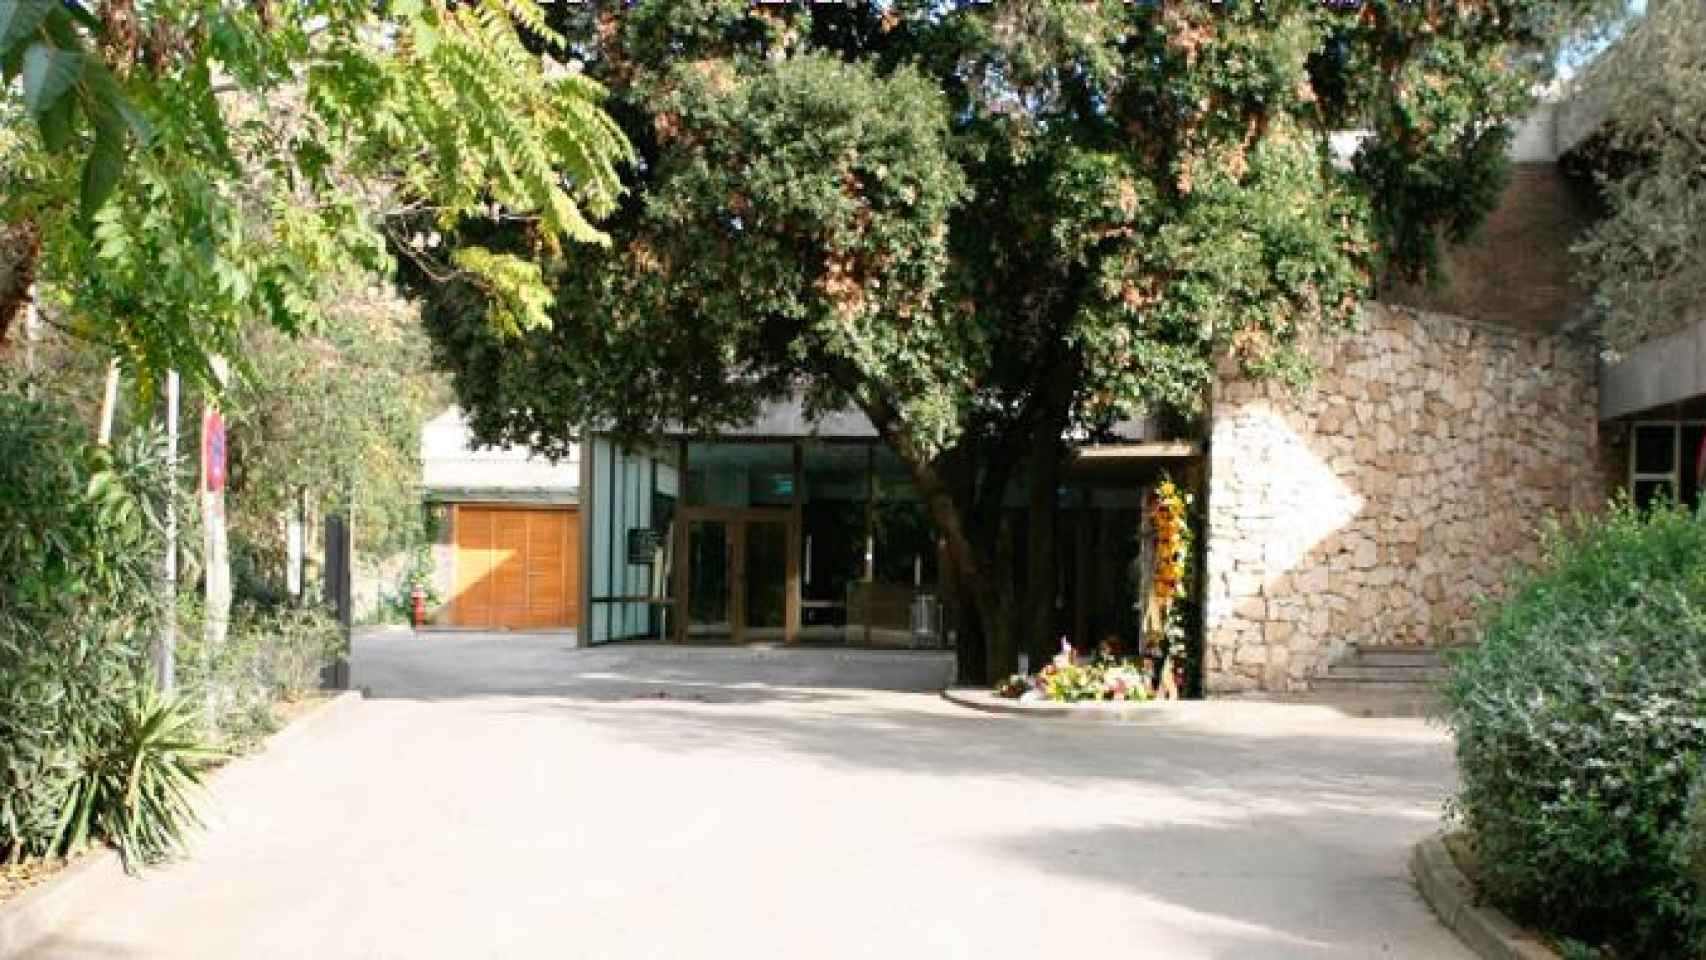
(1377, 681)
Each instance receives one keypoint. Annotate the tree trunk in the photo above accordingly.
(976, 530)
(977, 582)
(1041, 568)
(20, 258)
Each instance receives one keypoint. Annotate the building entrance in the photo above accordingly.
(741, 575)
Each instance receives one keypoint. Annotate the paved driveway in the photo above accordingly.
(604, 812)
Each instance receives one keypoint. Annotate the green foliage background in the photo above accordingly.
(1646, 260)
(333, 412)
(173, 170)
(80, 547)
(992, 226)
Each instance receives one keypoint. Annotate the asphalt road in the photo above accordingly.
(505, 796)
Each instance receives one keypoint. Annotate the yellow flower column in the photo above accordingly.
(1172, 550)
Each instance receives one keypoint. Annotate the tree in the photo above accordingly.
(1646, 260)
(200, 164)
(315, 415)
(991, 226)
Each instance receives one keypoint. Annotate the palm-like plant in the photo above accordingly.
(133, 790)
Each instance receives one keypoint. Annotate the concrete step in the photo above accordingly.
(1395, 656)
(1413, 673)
(1332, 682)
(1356, 704)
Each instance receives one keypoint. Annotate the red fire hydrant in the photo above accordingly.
(417, 596)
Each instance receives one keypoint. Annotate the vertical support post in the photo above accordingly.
(590, 519)
(794, 538)
(296, 545)
(216, 557)
(870, 537)
(683, 542)
(163, 656)
(338, 573)
(1083, 570)
(109, 403)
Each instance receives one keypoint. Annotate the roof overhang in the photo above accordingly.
(534, 496)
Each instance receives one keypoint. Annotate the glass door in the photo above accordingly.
(764, 581)
(740, 576)
(710, 586)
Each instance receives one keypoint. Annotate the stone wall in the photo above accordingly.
(1375, 507)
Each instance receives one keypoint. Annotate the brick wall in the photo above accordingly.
(1517, 271)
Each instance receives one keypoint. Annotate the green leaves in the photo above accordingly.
(20, 18)
(276, 144)
(80, 542)
(515, 284)
(136, 781)
(60, 78)
(48, 74)
(1646, 260)
(1580, 720)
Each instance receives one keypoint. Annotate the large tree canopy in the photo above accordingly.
(1646, 260)
(989, 226)
(198, 164)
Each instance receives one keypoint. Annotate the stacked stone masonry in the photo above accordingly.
(1375, 507)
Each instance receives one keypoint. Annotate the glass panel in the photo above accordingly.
(766, 577)
(1649, 491)
(1654, 448)
(740, 474)
(628, 524)
(901, 606)
(834, 490)
(1691, 457)
(708, 580)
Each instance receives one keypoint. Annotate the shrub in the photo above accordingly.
(80, 547)
(1694, 842)
(1581, 721)
(269, 654)
(139, 764)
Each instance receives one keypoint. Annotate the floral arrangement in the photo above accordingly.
(1172, 542)
(1170, 514)
(1070, 680)
(1106, 675)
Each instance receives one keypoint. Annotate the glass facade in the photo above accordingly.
(834, 517)
(628, 528)
(796, 541)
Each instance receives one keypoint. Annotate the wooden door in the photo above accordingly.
(516, 568)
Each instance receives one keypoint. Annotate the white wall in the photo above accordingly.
(449, 462)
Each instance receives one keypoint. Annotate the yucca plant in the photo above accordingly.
(133, 789)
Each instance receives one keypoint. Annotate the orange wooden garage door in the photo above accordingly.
(516, 567)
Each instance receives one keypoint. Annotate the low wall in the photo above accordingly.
(1375, 507)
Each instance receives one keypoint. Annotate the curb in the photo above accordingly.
(313, 719)
(38, 913)
(1484, 930)
(1095, 711)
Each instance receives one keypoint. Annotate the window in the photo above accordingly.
(1665, 462)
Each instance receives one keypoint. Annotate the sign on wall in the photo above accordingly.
(643, 543)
